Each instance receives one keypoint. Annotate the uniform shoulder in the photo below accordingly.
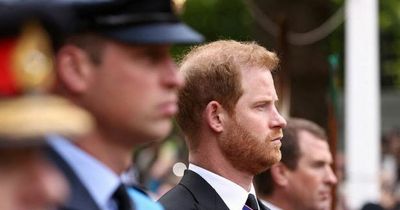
(142, 201)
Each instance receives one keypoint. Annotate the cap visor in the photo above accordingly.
(31, 117)
(158, 33)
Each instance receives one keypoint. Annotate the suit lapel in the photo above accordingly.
(206, 197)
(80, 198)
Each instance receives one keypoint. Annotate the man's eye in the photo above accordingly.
(155, 57)
(261, 106)
(319, 164)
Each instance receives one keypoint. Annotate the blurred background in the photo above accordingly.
(340, 67)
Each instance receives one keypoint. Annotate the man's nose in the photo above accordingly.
(331, 177)
(278, 121)
(172, 77)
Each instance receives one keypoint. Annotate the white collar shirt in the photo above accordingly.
(233, 195)
(99, 180)
(270, 205)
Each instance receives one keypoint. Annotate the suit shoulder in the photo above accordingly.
(179, 198)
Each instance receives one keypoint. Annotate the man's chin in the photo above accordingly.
(325, 205)
(274, 158)
(161, 131)
(264, 165)
(150, 134)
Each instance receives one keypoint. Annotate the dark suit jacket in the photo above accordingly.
(79, 198)
(193, 192)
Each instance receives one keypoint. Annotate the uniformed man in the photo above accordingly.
(117, 65)
(28, 112)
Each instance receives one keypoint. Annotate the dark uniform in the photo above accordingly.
(28, 111)
(138, 22)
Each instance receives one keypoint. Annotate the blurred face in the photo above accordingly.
(251, 140)
(310, 184)
(133, 92)
(29, 182)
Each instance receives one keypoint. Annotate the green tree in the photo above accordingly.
(217, 19)
(389, 22)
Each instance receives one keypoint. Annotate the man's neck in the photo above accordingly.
(280, 201)
(215, 162)
(107, 150)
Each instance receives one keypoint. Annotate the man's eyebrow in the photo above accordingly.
(265, 101)
(268, 98)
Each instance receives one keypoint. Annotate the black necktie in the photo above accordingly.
(251, 203)
(122, 198)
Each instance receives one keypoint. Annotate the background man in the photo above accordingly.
(303, 180)
(232, 127)
(117, 66)
(28, 181)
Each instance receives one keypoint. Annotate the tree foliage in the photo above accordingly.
(217, 19)
(389, 22)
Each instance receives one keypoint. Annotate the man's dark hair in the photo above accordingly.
(91, 43)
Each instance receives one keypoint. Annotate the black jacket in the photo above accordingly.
(193, 192)
(79, 198)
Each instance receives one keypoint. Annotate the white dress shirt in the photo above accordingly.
(233, 195)
(270, 205)
(99, 180)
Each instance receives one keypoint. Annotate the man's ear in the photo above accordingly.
(279, 173)
(74, 68)
(214, 114)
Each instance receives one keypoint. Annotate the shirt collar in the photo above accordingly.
(100, 180)
(270, 205)
(233, 195)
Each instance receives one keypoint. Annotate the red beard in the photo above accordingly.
(248, 152)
